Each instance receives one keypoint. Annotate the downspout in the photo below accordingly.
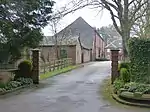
(95, 45)
(80, 41)
(82, 61)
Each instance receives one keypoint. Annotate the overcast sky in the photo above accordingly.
(89, 15)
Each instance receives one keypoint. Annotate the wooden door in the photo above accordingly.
(82, 58)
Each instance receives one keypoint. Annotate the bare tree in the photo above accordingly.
(110, 30)
(123, 13)
(141, 27)
(54, 26)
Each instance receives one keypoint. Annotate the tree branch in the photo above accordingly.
(137, 7)
(112, 16)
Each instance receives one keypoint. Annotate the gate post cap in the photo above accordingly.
(36, 49)
(115, 50)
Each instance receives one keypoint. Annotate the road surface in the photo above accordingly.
(75, 91)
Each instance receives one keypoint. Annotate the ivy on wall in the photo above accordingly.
(139, 52)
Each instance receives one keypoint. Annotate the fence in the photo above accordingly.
(38, 67)
(55, 65)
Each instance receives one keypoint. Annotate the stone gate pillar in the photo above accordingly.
(35, 62)
(114, 65)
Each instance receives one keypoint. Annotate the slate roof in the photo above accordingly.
(115, 44)
(79, 28)
(49, 40)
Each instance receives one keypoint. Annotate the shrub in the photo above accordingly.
(137, 87)
(128, 85)
(125, 75)
(147, 91)
(12, 85)
(142, 88)
(131, 87)
(124, 65)
(2, 84)
(24, 69)
(25, 66)
(2, 90)
(118, 84)
(25, 81)
(139, 52)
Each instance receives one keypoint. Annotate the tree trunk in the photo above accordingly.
(56, 51)
(125, 38)
(125, 29)
(125, 52)
(56, 46)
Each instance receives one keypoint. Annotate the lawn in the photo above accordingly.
(56, 72)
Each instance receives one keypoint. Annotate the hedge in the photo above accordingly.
(139, 52)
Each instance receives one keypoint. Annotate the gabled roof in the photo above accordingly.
(82, 28)
(115, 44)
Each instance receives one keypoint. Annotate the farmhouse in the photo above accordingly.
(78, 41)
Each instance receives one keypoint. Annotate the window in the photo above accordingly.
(63, 53)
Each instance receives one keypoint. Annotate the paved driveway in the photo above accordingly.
(76, 91)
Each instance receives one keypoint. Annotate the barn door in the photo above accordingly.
(82, 58)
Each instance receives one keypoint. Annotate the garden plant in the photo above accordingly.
(133, 81)
(23, 77)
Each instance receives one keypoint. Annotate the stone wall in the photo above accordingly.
(87, 55)
(49, 52)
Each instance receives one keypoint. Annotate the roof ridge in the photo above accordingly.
(70, 24)
(85, 22)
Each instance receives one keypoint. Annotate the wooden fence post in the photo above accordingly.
(53, 68)
(61, 65)
(44, 67)
(114, 65)
(65, 62)
(54, 65)
(49, 66)
(35, 61)
(71, 63)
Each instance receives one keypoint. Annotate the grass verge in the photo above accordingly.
(56, 72)
(106, 91)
